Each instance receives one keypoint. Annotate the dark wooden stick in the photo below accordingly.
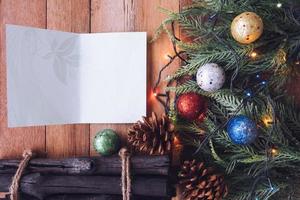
(101, 197)
(141, 165)
(89, 197)
(41, 186)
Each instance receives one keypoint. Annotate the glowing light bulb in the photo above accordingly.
(267, 120)
(248, 93)
(155, 92)
(279, 5)
(274, 152)
(297, 63)
(167, 56)
(176, 141)
(253, 54)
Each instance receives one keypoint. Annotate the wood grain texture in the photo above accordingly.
(99, 165)
(41, 186)
(134, 15)
(72, 16)
(14, 140)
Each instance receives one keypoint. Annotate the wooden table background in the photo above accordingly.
(79, 16)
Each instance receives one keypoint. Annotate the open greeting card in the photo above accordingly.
(58, 77)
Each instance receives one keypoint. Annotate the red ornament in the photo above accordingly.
(191, 105)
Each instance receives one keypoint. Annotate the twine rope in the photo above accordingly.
(126, 176)
(14, 188)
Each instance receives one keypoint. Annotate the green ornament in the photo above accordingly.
(106, 142)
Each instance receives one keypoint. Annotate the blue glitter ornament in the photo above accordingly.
(242, 130)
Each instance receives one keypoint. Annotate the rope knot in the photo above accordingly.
(27, 153)
(124, 153)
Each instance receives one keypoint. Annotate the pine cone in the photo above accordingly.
(201, 183)
(152, 136)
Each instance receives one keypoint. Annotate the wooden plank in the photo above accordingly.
(107, 16)
(14, 140)
(134, 15)
(148, 18)
(68, 140)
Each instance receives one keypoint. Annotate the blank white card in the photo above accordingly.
(57, 77)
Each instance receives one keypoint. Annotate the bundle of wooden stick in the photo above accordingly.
(89, 178)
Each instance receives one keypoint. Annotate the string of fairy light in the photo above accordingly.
(177, 55)
(268, 120)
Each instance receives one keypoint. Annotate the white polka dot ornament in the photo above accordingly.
(210, 77)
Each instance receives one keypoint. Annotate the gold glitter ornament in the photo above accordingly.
(247, 27)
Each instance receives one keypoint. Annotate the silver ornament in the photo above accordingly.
(210, 77)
